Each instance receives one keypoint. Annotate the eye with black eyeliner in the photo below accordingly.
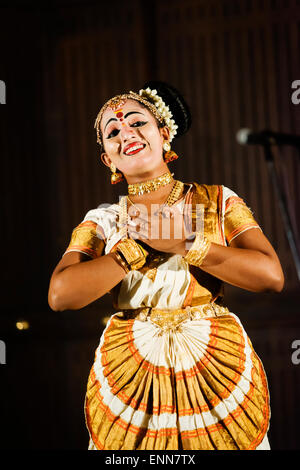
(113, 133)
(138, 124)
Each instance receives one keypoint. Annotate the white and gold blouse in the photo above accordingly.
(167, 281)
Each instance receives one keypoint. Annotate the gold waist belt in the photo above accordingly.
(170, 319)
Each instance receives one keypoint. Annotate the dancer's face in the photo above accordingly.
(132, 139)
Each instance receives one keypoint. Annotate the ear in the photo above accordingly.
(165, 133)
(105, 159)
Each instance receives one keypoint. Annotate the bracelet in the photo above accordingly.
(198, 250)
(144, 251)
(133, 253)
(122, 262)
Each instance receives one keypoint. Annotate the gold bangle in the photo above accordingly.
(198, 250)
(132, 252)
(145, 252)
(121, 262)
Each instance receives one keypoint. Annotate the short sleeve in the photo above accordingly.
(95, 232)
(238, 217)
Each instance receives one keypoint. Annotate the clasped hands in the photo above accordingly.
(166, 229)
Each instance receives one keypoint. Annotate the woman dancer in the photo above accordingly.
(174, 368)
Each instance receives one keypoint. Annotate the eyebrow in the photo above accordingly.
(126, 115)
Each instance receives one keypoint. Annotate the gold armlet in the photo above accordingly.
(198, 250)
(133, 253)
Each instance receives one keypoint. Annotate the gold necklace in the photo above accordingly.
(150, 185)
(174, 195)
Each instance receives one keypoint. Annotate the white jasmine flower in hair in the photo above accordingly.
(162, 108)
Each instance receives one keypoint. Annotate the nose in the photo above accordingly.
(127, 132)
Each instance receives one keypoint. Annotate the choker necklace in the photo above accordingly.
(150, 185)
(175, 194)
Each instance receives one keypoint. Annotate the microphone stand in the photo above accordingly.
(282, 205)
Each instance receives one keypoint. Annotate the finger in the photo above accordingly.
(138, 222)
(134, 213)
(131, 223)
(138, 235)
(138, 229)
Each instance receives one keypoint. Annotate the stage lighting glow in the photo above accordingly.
(22, 325)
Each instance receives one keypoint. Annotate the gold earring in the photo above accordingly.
(115, 177)
(166, 146)
(169, 155)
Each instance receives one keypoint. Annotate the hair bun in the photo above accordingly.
(175, 101)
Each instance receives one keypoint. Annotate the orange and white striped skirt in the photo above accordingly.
(181, 379)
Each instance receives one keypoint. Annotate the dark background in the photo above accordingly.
(234, 61)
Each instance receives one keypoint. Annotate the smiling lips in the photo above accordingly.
(133, 148)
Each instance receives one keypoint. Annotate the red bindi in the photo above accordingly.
(119, 114)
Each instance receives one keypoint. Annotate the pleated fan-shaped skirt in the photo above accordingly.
(172, 380)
